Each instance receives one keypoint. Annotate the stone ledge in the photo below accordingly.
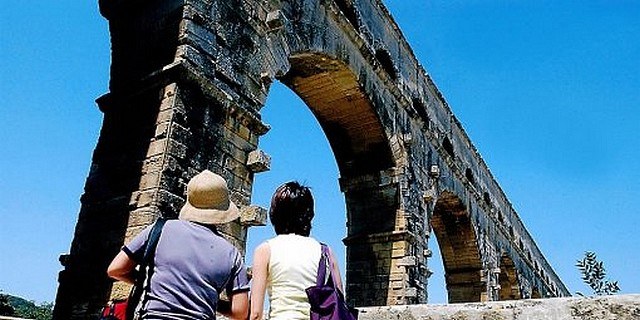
(620, 307)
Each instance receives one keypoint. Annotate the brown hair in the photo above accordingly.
(292, 209)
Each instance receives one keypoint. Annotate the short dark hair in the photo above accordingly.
(292, 209)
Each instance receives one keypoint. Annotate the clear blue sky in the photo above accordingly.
(549, 92)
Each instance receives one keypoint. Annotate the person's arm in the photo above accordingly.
(122, 268)
(123, 265)
(336, 271)
(239, 306)
(259, 280)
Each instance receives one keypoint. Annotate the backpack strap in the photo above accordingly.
(142, 282)
(147, 263)
(322, 265)
(152, 242)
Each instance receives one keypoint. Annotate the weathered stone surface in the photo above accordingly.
(623, 307)
(259, 161)
(253, 216)
(188, 81)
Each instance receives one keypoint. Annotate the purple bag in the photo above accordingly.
(326, 300)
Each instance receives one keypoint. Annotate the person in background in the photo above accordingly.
(287, 264)
(193, 263)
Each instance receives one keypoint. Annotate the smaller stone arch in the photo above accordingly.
(508, 280)
(421, 109)
(350, 11)
(468, 173)
(452, 225)
(386, 61)
(535, 293)
(448, 147)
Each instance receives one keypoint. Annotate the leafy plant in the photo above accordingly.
(18, 307)
(43, 311)
(593, 273)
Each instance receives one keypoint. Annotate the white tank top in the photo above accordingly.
(293, 267)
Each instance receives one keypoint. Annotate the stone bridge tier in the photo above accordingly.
(188, 81)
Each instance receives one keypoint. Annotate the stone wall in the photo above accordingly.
(188, 81)
(622, 307)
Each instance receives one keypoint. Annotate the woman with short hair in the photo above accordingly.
(284, 266)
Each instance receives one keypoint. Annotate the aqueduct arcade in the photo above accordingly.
(188, 81)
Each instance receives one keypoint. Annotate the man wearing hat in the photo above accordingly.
(193, 264)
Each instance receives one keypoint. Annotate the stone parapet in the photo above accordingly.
(620, 307)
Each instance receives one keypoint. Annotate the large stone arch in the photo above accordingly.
(361, 147)
(331, 90)
(457, 238)
(188, 81)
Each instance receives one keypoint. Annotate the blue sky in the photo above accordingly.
(548, 91)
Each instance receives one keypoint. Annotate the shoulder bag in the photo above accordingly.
(326, 300)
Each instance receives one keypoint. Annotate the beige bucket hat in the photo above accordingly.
(208, 200)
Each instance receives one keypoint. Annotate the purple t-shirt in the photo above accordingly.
(193, 264)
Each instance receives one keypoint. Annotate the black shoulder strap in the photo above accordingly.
(146, 267)
(152, 242)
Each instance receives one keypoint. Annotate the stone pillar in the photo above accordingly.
(165, 120)
(377, 270)
(380, 249)
(124, 188)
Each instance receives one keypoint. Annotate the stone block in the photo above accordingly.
(253, 216)
(161, 130)
(244, 133)
(410, 292)
(275, 20)
(398, 253)
(157, 147)
(408, 261)
(259, 161)
(149, 180)
(141, 199)
(164, 116)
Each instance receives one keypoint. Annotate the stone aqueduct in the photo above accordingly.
(188, 80)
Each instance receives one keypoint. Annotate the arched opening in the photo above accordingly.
(487, 198)
(437, 289)
(448, 147)
(469, 175)
(458, 244)
(509, 288)
(330, 89)
(383, 56)
(500, 217)
(349, 10)
(535, 293)
(340, 111)
(299, 151)
(421, 109)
